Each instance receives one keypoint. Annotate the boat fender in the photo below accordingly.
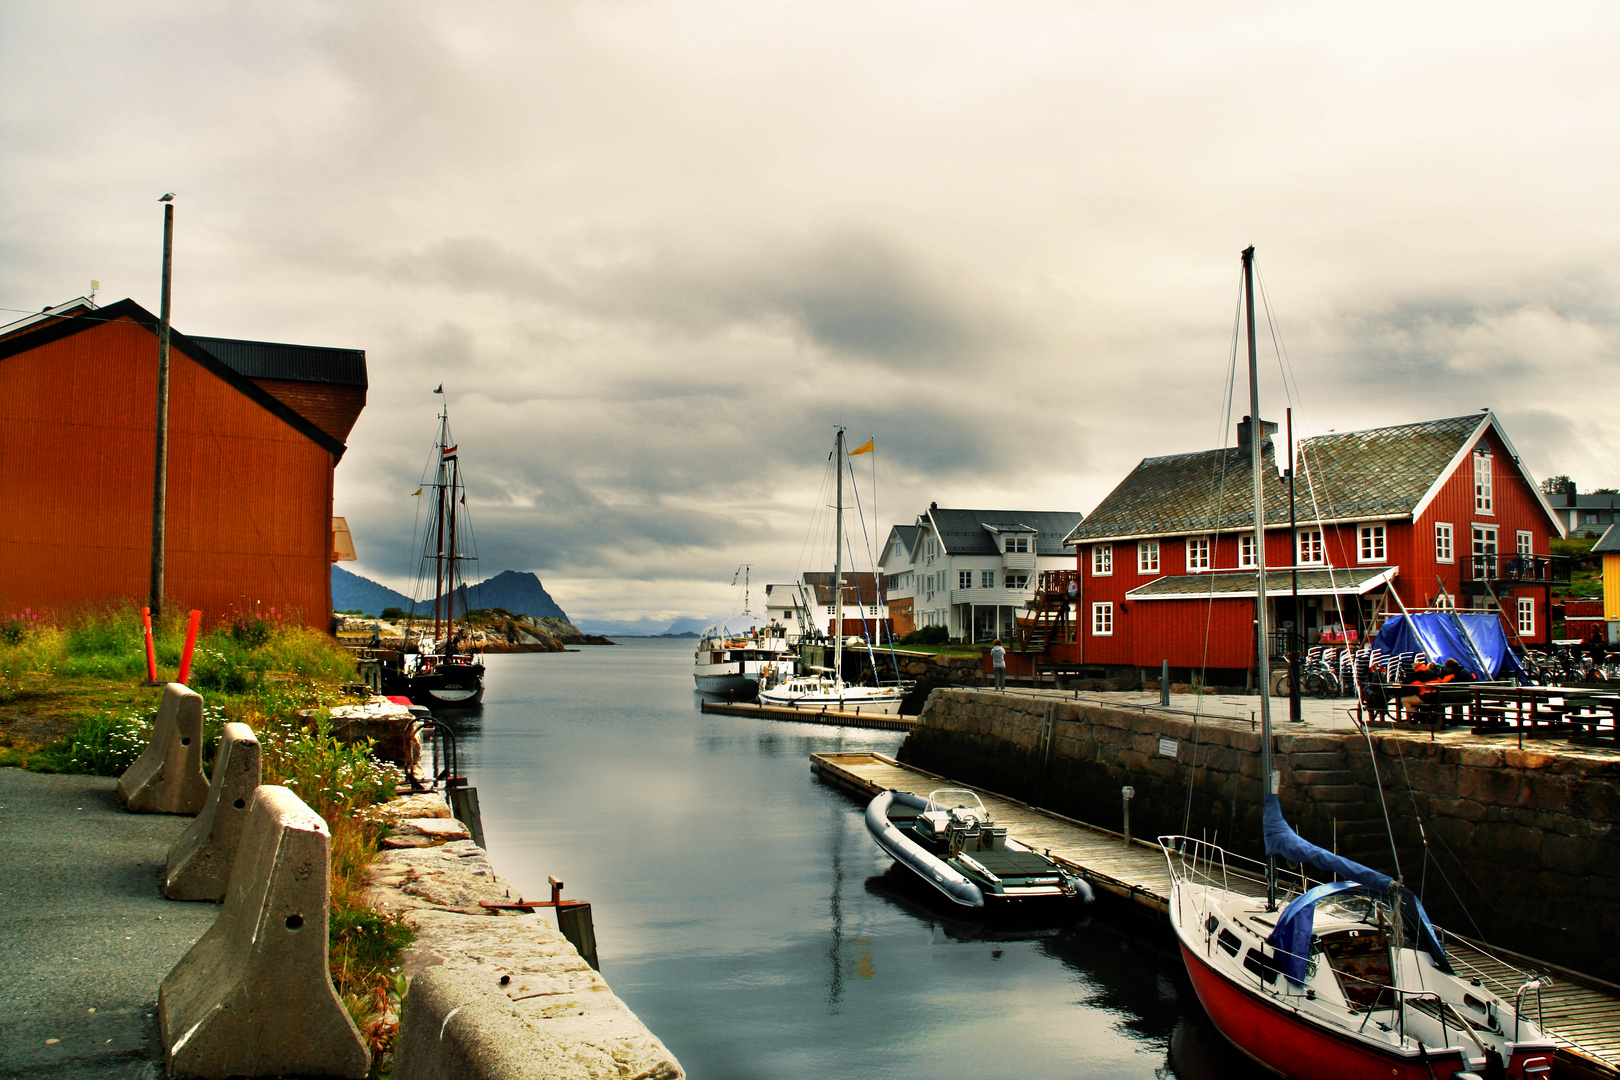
(1081, 888)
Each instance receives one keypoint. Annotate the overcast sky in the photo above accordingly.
(656, 251)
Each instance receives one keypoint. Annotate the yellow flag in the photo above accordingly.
(415, 493)
(867, 449)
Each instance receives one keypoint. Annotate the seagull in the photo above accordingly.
(167, 198)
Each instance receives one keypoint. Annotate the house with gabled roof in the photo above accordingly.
(1417, 516)
(894, 562)
(975, 571)
(256, 430)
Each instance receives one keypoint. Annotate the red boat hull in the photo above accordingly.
(1297, 1049)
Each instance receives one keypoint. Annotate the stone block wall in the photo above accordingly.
(1521, 847)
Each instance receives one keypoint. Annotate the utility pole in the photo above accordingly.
(160, 481)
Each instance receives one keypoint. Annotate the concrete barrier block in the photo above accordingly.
(199, 865)
(458, 1025)
(254, 996)
(168, 778)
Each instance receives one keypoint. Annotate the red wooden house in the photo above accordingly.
(1437, 514)
(255, 432)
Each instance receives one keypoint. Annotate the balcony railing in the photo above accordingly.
(1511, 569)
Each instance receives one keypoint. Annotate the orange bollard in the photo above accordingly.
(191, 643)
(151, 651)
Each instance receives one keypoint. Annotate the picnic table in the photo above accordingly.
(1546, 712)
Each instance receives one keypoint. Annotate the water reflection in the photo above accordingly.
(745, 914)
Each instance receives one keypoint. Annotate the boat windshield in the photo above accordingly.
(958, 799)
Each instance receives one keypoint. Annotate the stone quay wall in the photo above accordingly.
(1522, 847)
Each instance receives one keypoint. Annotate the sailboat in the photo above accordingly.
(1348, 978)
(831, 691)
(440, 671)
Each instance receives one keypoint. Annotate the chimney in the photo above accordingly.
(1245, 426)
(1568, 488)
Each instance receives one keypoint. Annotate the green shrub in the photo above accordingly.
(927, 635)
(104, 745)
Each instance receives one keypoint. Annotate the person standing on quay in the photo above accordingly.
(998, 663)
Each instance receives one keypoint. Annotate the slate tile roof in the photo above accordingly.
(1609, 542)
(299, 363)
(964, 532)
(1311, 582)
(1345, 476)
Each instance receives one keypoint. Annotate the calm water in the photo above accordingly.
(743, 913)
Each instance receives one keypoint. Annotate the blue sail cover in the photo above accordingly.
(1470, 638)
(1292, 934)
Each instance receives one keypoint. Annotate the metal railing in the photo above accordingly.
(1531, 569)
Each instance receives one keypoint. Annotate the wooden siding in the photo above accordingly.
(249, 498)
(330, 407)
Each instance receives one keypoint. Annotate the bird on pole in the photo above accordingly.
(168, 197)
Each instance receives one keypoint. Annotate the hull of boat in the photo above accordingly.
(888, 704)
(450, 684)
(950, 882)
(1290, 1045)
(723, 683)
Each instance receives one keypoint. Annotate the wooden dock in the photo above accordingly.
(831, 717)
(1582, 1014)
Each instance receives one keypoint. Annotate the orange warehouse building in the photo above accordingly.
(249, 508)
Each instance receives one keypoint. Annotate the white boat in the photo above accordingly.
(1347, 979)
(733, 659)
(949, 841)
(829, 691)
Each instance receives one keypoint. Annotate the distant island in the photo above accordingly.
(517, 592)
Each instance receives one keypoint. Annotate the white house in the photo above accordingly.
(805, 606)
(973, 571)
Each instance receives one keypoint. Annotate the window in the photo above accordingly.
(1197, 553)
(964, 579)
(1147, 557)
(1102, 620)
(1017, 581)
(1017, 544)
(1443, 550)
(1527, 616)
(987, 579)
(1589, 517)
(872, 610)
(1482, 482)
(1102, 560)
(1371, 548)
(1445, 601)
(1526, 540)
(1246, 552)
(1309, 545)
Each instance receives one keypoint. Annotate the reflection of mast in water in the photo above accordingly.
(835, 904)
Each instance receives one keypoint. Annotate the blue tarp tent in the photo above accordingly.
(1474, 639)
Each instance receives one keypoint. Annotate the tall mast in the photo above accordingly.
(838, 567)
(1261, 617)
(438, 491)
(450, 570)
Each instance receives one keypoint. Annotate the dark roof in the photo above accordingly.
(1355, 580)
(1347, 476)
(859, 588)
(1609, 542)
(1592, 501)
(969, 532)
(129, 309)
(907, 535)
(298, 363)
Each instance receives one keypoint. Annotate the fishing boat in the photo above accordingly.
(949, 841)
(733, 657)
(1339, 978)
(437, 668)
(829, 690)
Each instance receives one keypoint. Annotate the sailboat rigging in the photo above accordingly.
(821, 691)
(441, 670)
(1348, 979)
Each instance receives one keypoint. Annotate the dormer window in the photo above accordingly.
(1016, 545)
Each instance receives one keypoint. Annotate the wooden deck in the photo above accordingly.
(832, 717)
(1581, 1013)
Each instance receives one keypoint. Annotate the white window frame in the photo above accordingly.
(1246, 560)
(1102, 619)
(1483, 501)
(1016, 545)
(1016, 581)
(1525, 543)
(964, 579)
(1372, 542)
(1446, 601)
(1147, 556)
(1527, 616)
(1102, 560)
(1198, 554)
(1445, 542)
(987, 579)
(1309, 548)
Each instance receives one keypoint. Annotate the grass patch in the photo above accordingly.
(72, 699)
